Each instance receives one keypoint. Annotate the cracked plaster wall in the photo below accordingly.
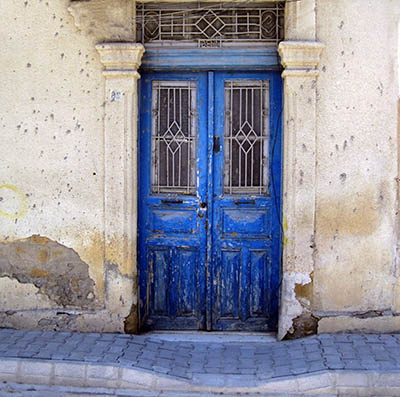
(357, 159)
(354, 264)
(53, 269)
(51, 172)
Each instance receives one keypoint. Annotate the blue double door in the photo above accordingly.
(209, 200)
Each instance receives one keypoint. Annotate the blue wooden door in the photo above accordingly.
(209, 200)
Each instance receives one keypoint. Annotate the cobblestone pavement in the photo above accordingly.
(197, 361)
(185, 359)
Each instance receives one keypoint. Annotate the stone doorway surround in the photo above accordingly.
(111, 22)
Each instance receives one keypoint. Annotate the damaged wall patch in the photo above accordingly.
(57, 271)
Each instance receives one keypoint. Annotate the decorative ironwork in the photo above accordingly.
(174, 137)
(210, 25)
(246, 138)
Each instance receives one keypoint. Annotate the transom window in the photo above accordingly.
(210, 24)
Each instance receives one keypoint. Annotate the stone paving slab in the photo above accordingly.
(325, 363)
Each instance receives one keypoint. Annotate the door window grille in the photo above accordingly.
(174, 132)
(210, 25)
(246, 139)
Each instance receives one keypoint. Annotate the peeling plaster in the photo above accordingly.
(17, 296)
(55, 270)
(290, 307)
(120, 303)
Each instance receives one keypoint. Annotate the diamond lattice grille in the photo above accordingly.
(173, 137)
(246, 142)
(210, 24)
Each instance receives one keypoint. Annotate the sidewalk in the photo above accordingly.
(155, 365)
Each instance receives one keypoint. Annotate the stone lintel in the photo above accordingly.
(300, 58)
(121, 57)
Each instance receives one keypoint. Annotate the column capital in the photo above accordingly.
(300, 58)
(120, 57)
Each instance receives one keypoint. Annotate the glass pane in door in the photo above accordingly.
(173, 137)
(246, 136)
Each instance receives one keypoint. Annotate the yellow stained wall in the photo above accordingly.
(357, 157)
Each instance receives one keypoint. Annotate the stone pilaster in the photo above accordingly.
(121, 61)
(300, 59)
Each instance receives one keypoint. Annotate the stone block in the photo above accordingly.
(132, 377)
(34, 368)
(70, 370)
(283, 386)
(8, 367)
(352, 379)
(315, 382)
(102, 372)
(386, 379)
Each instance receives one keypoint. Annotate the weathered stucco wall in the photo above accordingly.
(355, 271)
(53, 269)
(67, 232)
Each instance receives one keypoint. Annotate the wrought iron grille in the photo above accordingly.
(246, 141)
(210, 25)
(174, 137)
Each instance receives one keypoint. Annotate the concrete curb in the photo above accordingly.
(50, 372)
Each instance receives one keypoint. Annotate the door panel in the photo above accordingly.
(172, 224)
(209, 235)
(246, 244)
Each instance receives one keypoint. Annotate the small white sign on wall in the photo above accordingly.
(116, 96)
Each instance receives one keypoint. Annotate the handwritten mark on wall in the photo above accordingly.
(12, 202)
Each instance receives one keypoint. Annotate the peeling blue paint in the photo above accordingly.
(209, 260)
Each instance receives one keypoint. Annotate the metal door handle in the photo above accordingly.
(216, 144)
(172, 201)
(239, 202)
